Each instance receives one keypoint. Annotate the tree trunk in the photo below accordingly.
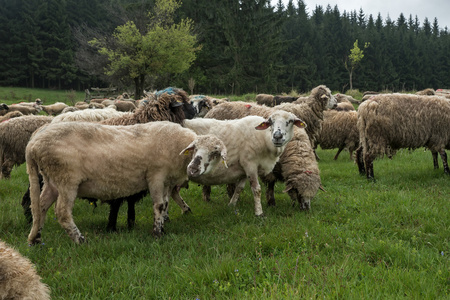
(351, 80)
(139, 86)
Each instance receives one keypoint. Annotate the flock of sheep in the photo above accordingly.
(86, 150)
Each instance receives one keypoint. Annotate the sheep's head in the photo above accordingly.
(281, 124)
(207, 151)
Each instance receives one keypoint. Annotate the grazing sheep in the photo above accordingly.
(202, 104)
(264, 99)
(25, 110)
(252, 150)
(343, 103)
(389, 122)
(81, 105)
(82, 159)
(18, 277)
(54, 109)
(297, 165)
(10, 115)
(339, 131)
(14, 137)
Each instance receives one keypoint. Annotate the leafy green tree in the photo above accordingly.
(166, 47)
(355, 57)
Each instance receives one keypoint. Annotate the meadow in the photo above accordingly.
(387, 239)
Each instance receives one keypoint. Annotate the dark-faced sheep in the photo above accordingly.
(389, 122)
(25, 110)
(18, 277)
(88, 160)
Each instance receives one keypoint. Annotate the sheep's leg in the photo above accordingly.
(237, 191)
(7, 168)
(159, 207)
(230, 189)
(63, 211)
(434, 154)
(270, 193)
(360, 161)
(176, 196)
(368, 161)
(26, 201)
(339, 152)
(444, 161)
(114, 207)
(256, 190)
(40, 203)
(206, 193)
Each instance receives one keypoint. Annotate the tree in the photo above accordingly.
(355, 57)
(164, 48)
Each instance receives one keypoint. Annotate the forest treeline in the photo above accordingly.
(247, 46)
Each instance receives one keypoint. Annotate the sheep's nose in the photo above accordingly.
(278, 135)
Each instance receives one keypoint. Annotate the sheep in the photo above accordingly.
(14, 136)
(171, 104)
(389, 122)
(81, 105)
(277, 100)
(18, 277)
(69, 109)
(297, 165)
(343, 103)
(426, 92)
(89, 115)
(82, 159)
(158, 109)
(339, 131)
(36, 104)
(252, 150)
(202, 104)
(264, 99)
(54, 109)
(123, 105)
(10, 115)
(25, 110)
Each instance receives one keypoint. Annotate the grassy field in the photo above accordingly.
(361, 240)
(11, 95)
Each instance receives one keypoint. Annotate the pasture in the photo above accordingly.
(361, 240)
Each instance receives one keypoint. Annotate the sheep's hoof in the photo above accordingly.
(187, 212)
(81, 240)
(157, 234)
(261, 216)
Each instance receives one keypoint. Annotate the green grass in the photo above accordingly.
(10, 95)
(361, 240)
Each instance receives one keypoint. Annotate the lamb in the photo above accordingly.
(339, 131)
(250, 152)
(18, 277)
(14, 136)
(82, 159)
(389, 122)
(10, 115)
(54, 109)
(297, 165)
(25, 110)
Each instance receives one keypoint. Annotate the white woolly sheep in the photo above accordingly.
(339, 131)
(297, 165)
(18, 277)
(389, 122)
(14, 137)
(252, 150)
(89, 160)
(89, 115)
(54, 109)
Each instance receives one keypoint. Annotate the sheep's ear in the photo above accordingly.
(189, 148)
(223, 154)
(264, 125)
(299, 123)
